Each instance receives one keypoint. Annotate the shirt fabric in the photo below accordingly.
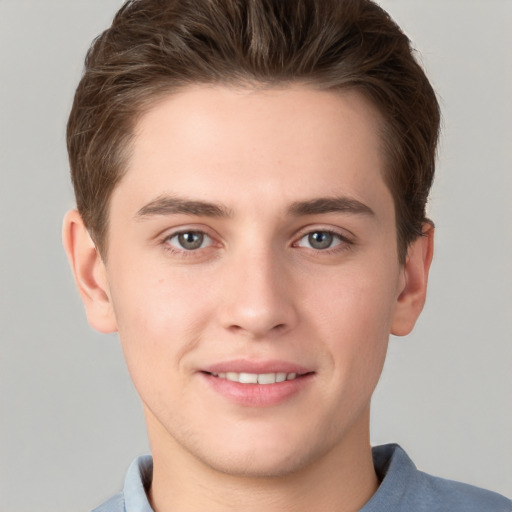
(402, 489)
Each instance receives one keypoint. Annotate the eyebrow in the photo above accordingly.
(169, 205)
(330, 205)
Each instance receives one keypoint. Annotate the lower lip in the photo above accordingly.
(257, 395)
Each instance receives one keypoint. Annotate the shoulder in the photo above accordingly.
(114, 504)
(441, 494)
(404, 488)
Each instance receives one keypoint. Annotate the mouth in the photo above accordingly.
(257, 383)
(257, 378)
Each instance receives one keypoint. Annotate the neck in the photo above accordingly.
(342, 480)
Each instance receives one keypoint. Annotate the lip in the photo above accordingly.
(248, 366)
(256, 395)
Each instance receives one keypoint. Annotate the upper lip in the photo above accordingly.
(259, 367)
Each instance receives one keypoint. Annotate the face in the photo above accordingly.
(253, 274)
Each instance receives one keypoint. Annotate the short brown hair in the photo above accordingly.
(156, 46)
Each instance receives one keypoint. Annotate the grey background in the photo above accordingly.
(70, 421)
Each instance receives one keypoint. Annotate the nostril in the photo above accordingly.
(256, 331)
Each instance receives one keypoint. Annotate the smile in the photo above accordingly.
(251, 388)
(256, 378)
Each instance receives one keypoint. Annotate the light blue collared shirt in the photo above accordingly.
(402, 489)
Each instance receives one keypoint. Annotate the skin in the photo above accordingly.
(257, 289)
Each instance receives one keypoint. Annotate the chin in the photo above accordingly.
(264, 465)
(260, 456)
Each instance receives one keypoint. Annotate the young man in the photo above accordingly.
(251, 180)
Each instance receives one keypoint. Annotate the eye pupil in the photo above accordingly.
(320, 239)
(191, 240)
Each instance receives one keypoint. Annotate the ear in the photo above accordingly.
(412, 294)
(89, 272)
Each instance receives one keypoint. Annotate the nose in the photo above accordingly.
(257, 296)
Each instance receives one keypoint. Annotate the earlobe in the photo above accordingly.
(89, 272)
(411, 298)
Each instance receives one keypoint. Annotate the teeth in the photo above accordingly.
(266, 378)
(256, 378)
(248, 378)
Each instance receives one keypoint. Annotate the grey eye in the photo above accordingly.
(189, 240)
(320, 239)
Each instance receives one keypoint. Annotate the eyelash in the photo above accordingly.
(344, 244)
(184, 253)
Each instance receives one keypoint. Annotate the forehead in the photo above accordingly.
(237, 144)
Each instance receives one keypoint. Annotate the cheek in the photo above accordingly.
(354, 300)
(157, 330)
(353, 315)
(160, 318)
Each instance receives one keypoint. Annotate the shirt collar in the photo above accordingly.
(137, 484)
(392, 465)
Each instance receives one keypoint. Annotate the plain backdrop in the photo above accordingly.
(70, 420)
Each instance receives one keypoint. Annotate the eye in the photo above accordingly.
(320, 240)
(189, 240)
